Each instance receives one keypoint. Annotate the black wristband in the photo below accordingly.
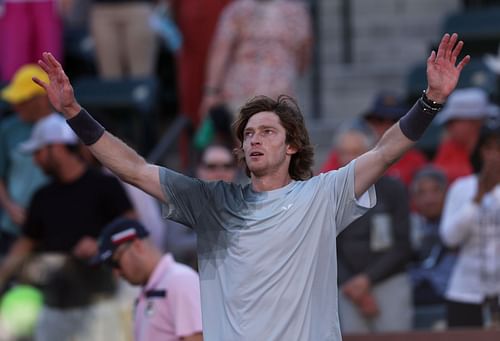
(86, 127)
(416, 121)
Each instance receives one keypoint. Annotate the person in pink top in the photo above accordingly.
(168, 307)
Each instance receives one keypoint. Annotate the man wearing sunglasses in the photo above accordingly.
(217, 163)
(168, 307)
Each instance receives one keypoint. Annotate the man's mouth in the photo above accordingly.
(256, 154)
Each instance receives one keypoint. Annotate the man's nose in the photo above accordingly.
(255, 139)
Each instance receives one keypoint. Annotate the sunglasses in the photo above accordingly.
(216, 166)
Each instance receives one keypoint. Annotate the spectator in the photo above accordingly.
(125, 43)
(373, 251)
(19, 176)
(197, 20)
(28, 28)
(260, 48)
(192, 59)
(386, 110)
(433, 262)
(65, 217)
(471, 222)
(462, 117)
(168, 307)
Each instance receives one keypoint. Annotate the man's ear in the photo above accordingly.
(290, 149)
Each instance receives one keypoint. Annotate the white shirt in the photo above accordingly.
(475, 229)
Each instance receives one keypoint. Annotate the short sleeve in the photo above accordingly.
(345, 205)
(185, 197)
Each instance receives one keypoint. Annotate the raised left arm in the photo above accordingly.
(442, 78)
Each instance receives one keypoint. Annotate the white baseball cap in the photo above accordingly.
(49, 130)
(467, 103)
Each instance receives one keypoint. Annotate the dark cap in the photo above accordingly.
(116, 233)
(387, 106)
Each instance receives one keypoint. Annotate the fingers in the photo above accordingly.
(52, 60)
(450, 45)
(40, 83)
(442, 46)
(44, 66)
(49, 62)
(464, 62)
(456, 52)
(432, 57)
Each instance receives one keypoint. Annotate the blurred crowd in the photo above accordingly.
(426, 257)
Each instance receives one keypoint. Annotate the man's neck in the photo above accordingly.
(152, 263)
(270, 182)
(72, 170)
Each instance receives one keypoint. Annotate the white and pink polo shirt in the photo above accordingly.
(168, 307)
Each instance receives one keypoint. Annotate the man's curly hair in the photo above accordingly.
(296, 133)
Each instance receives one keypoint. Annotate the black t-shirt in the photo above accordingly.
(60, 214)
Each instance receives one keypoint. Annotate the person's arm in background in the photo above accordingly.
(393, 259)
(442, 78)
(458, 213)
(18, 253)
(87, 246)
(16, 213)
(306, 47)
(116, 204)
(108, 149)
(223, 43)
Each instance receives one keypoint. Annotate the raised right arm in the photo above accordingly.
(108, 149)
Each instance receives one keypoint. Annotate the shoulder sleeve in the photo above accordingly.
(185, 197)
(185, 303)
(346, 207)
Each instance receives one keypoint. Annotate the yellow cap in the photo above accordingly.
(22, 87)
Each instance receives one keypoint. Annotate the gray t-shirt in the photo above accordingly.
(267, 260)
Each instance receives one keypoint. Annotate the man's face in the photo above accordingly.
(380, 125)
(428, 197)
(30, 110)
(126, 264)
(44, 158)
(217, 164)
(351, 145)
(464, 132)
(490, 155)
(264, 145)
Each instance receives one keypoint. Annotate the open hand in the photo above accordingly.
(59, 89)
(442, 73)
(86, 248)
